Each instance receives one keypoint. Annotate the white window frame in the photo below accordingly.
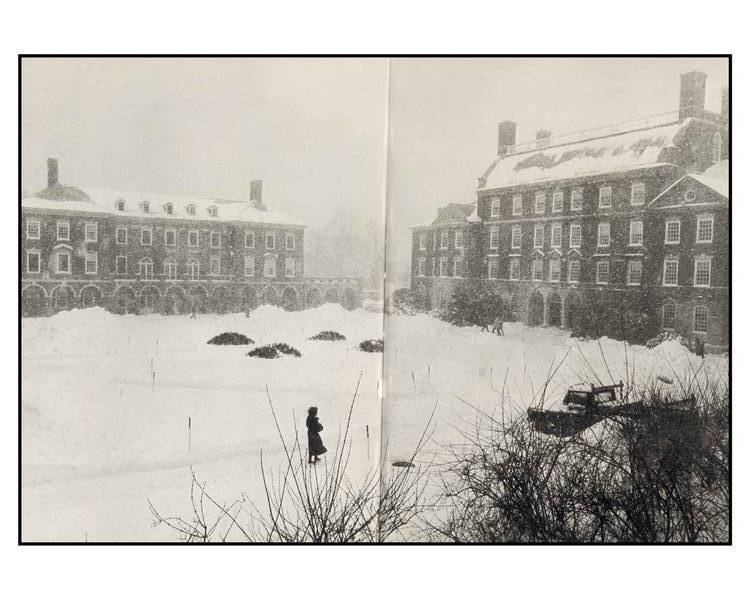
(605, 192)
(166, 238)
(169, 208)
(514, 269)
(494, 238)
(540, 199)
(599, 264)
(534, 263)
(421, 266)
(695, 318)
(571, 242)
(38, 255)
(144, 206)
(557, 201)
(571, 262)
(517, 205)
(170, 269)
(293, 238)
(637, 193)
(557, 227)
(700, 260)
(444, 239)
(552, 263)
(492, 269)
(604, 225)
(215, 235)
(423, 241)
(270, 235)
(29, 224)
(538, 243)
(66, 225)
(667, 261)
(87, 257)
(289, 262)
(67, 253)
(443, 266)
(120, 205)
(251, 236)
(457, 267)
(702, 219)
(576, 199)
(150, 236)
(666, 231)
(495, 207)
(196, 233)
(673, 307)
(215, 266)
(146, 268)
(190, 209)
(193, 270)
(117, 264)
(458, 241)
(117, 236)
(249, 266)
(629, 274)
(515, 237)
(632, 233)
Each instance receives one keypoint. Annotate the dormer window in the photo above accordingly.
(120, 205)
(168, 208)
(190, 208)
(213, 211)
(144, 206)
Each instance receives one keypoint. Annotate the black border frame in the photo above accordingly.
(379, 56)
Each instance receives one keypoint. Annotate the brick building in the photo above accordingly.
(641, 208)
(134, 253)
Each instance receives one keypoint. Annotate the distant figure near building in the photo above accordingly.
(699, 347)
(315, 445)
(497, 326)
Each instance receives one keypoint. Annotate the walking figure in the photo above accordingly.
(315, 445)
(699, 347)
(192, 305)
(497, 327)
(485, 327)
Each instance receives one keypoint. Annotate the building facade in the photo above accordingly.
(641, 208)
(141, 253)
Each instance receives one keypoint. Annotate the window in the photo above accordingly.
(291, 241)
(556, 236)
(170, 268)
(444, 267)
(91, 264)
(270, 241)
(146, 268)
(422, 241)
(515, 238)
(672, 232)
(671, 269)
(168, 208)
(554, 269)
(700, 319)
(574, 270)
(457, 267)
(120, 205)
(434, 240)
(249, 239)
(636, 233)
(668, 315)
(459, 239)
(716, 147)
(33, 262)
(605, 197)
(602, 271)
(443, 240)
(517, 204)
(213, 211)
(144, 206)
(193, 268)
(249, 266)
(495, 207)
(121, 235)
(704, 233)
(289, 266)
(538, 236)
(121, 265)
(420, 268)
(63, 231)
(702, 274)
(193, 238)
(145, 237)
(492, 269)
(603, 238)
(190, 208)
(63, 262)
(215, 265)
(494, 238)
(576, 199)
(540, 201)
(434, 267)
(215, 239)
(575, 235)
(514, 269)
(269, 266)
(170, 237)
(690, 195)
(557, 202)
(537, 269)
(635, 272)
(637, 193)
(33, 229)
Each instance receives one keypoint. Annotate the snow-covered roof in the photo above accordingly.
(716, 177)
(618, 152)
(454, 212)
(91, 200)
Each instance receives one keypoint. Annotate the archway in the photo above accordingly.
(349, 299)
(198, 299)
(221, 300)
(91, 296)
(536, 309)
(125, 300)
(572, 310)
(149, 300)
(332, 295)
(290, 299)
(269, 296)
(554, 310)
(175, 301)
(63, 298)
(33, 301)
(314, 298)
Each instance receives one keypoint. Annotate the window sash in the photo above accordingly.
(515, 237)
(671, 272)
(635, 272)
(636, 233)
(668, 315)
(421, 266)
(602, 271)
(515, 269)
(556, 241)
(540, 203)
(215, 265)
(249, 267)
(704, 232)
(574, 270)
(33, 229)
(146, 234)
(90, 232)
(215, 239)
(270, 241)
(422, 241)
(33, 256)
(637, 194)
(249, 236)
(170, 237)
(63, 231)
(170, 269)
(444, 240)
(91, 263)
(459, 240)
(193, 238)
(443, 267)
(492, 267)
(121, 239)
(495, 207)
(605, 197)
(554, 269)
(63, 257)
(517, 204)
(289, 266)
(121, 265)
(539, 236)
(672, 232)
(537, 269)
(457, 267)
(494, 238)
(702, 274)
(603, 238)
(700, 319)
(575, 236)
(557, 202)
(576, 199)
(290, 238)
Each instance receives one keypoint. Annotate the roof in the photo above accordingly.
(716, 178)
(617, 152)
(455, 212)
(91, 200)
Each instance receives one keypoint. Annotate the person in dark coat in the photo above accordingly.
(700, 348)
(315, 445)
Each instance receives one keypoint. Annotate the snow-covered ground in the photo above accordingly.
(106, 401)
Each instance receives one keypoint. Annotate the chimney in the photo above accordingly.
(52, 178)
(725, 105)
(543, 138)
(506, 136)
(256, 193)
(692, 94)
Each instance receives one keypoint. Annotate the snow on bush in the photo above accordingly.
(666, 336)
(329, 336)
(230, 338)
(372, 305)
(371, 346)
(273, 351)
